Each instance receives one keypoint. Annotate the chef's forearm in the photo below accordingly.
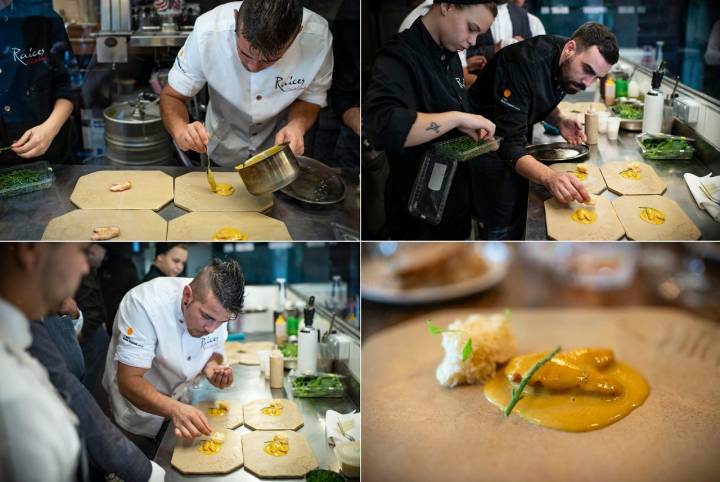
(145, 396)
(303, 114)
(428, 127)
(60, 114)
(173, 111)
(532, 169)
(554, 117)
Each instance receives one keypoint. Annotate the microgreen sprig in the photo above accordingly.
(436, 330)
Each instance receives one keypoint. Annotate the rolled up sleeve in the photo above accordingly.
(389, 109)
(316, 93)
(187, 76)
(138, 338)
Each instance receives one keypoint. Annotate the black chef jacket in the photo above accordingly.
(519, 87)
(414, 74)
(33, 41)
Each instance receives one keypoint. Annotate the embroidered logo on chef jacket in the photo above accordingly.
(28, 56)
(289, 84)
(127, 339)
(208, 341)
(505, 100)
(129, 331)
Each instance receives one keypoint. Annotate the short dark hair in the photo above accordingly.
(225, 279)
(269, 24)
(492, 6)
(593, 33)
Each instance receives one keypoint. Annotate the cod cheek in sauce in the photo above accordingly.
(576, 391)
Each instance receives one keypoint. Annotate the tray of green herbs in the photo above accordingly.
(664, 146)
(464, 147)
(25, 178)
(320, 385)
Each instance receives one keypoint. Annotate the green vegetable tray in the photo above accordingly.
(664, 146)
(464, 147)
(320, 385)
(25, 178)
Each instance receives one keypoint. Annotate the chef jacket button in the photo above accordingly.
(0, 71)
(259, 97)
(6, 108)
(442, 57)
(27, 92)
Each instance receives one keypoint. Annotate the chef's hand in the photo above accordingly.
(566, 187)
(70, 308)
(220, 376)
(34, 142)
(294, 135)
(476, 62)
(192, 137)
(476, 126)
(572, 131)
(189, 422)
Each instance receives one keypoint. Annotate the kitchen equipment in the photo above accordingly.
(192, 193)
(654, 100)
(557, 152)
(439, 430)
(25, 178)
(150, 190)
(308, 340)
(269, 171)
(316, 183)
(649, 182)
(298, 462)
(201, 226)
(135, 225)
(288, 419)
(188, 460)
(561, 226)
(677, 226)
(134, 133)
(594, 182)
(633, 125)
(668, 152)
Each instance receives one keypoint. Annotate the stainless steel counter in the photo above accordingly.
(250, 385)
(625, 149)
(25, 217)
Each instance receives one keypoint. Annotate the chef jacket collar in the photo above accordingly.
(557, 71)
(436, 51)
(14, 326)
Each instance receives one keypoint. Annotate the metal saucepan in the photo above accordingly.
(270, 170)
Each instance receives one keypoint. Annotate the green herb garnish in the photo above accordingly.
(3, 149)
(289, 350)
(322, 385)
(629, 111)
(436, 330)
(19, 178)
(517, 393)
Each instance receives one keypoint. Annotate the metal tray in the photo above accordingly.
(316, 184)
(558, 152)
(43, 178)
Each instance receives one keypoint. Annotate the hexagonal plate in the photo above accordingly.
(201, 226)
(561, 227)
(192, 192)
(135, 225)
(150, 190)
(290, 419)
(188, 460)
(232, 420)
(677, 226)
(299, 461)
(649, 182)
(594, 183)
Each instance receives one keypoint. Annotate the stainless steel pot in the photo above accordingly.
(135, 135)
(269, 171)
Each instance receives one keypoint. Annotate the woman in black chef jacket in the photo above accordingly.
(416, 97)
(34, 83)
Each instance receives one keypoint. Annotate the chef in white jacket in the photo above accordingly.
(268, 66)
(167, 332)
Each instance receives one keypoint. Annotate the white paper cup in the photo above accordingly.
(613, 127)
(264, 356)
(602, 121)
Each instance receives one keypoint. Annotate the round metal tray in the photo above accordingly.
(316, 184)
(633, 125)
(558, 152)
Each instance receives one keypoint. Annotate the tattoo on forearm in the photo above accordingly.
(434, 127)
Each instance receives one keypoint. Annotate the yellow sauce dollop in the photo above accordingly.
(584, 216)
(632, 172)
(208, 447)
(580, 175)
(219, 409)
(229, 234)
(275, 409)
(576, 391)
(278, 446)
(652, 215)
(223, 189)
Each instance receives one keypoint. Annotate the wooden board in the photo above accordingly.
(135, 225)
(242, 358)
(150, 190)
(289, 419)
(188, 460)
(192, 192)
(299, 461)
(232, 420)
(649, 182)
(201, 226)
(250, 346)
(561, 226)
(677, 226)
(414, 429)
(594, 183)
(245, 353)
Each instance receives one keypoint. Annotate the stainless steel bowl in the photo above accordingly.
(269, 171)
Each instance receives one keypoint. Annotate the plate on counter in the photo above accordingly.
(558, 152)
(414, 273)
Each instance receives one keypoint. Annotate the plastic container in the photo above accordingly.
(39, 175)
(319, 385)
(348, 454)
(666, 153)
(434, 179)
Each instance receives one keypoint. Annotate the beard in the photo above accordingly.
(566, 82)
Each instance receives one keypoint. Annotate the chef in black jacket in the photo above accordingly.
(416, 97)
(522, 85)
(34, 83)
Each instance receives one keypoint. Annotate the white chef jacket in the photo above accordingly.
(40, 441)
(420, 11)
(149, 332)
(245, 108)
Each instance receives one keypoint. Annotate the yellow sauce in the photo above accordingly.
(580, 175)
(223, 189)
(275, 409)
(576, 391)
(631, 172)
(652, 215)
(208, 447)
(278, 446)
(229, 234)
(219, 409)
(584, 216)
